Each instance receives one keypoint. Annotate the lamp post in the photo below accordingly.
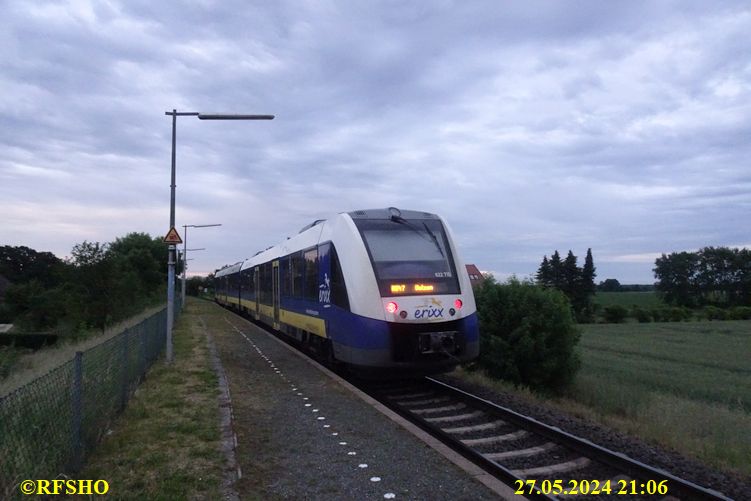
(184, 259)
(171, 254)
(185, 251)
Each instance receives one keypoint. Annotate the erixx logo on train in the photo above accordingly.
(324, 290)
(434, 309)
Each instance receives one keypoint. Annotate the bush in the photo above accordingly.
(740, 313)
(679, 314)
(715, 313)
(661, 314)
(640, 314)
(614, 314)
(527, 334)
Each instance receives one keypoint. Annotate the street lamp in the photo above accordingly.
(184, 258)
(171, 254)
(185, 251)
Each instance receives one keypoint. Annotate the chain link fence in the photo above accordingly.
(50, 425)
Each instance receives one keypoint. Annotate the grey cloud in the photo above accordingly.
(529, 126)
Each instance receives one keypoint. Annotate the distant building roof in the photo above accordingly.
(475, 275)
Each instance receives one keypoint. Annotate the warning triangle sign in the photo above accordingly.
(173, 237)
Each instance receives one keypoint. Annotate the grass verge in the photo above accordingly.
(166, 445)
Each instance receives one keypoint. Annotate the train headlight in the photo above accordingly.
(458, 304)
(392, 307)
(403, 313)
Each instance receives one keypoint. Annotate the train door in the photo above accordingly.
(257, 285)
(275, 291)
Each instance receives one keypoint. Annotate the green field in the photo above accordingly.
(628, 299)
(686, 385)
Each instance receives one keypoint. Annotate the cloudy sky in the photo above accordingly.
(530, 126)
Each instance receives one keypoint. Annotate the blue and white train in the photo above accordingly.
(380, 291)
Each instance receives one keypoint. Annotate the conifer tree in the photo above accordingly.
(578, 284)
(588, 273)
(544, 273)
(587, 288)
(571, 276)
(556, 270)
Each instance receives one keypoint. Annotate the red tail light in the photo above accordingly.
(392, 307)
(458, 303)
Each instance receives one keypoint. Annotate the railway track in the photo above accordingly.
(541, 461)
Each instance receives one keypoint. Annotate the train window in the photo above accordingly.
(233, 283)
(246, 282)
(410, 253)
(261, 278)
(298, 266)
(285, 267)
(338, 287)
(311, 275)
(266, 283)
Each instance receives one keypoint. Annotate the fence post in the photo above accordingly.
(142, 331)
(124, 363)
(76, 412)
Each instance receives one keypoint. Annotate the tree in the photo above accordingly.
(609, 285)
(144, 257)
(93, 292)
(717, 276)
(587, 289)
(99, 284)
(570, 277)
(196, 285)
(576, 283)
(22, 264)
(556, 270)
(677, 278)
(589, 273)
(545, 273)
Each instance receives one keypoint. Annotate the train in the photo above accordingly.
(377, 291)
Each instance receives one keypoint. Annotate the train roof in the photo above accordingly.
(227, 270)
(310, 235)
(389, 212)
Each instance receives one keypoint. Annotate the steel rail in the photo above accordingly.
(617, 460)
(500, 472)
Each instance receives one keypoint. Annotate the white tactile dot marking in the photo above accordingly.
(387, 495)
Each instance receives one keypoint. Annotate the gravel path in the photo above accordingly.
(301, 435)
(733, 486)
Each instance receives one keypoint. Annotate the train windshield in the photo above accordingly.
(409, 256)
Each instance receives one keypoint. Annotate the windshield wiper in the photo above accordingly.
(435, 239)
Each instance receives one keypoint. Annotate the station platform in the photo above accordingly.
(304, 433)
